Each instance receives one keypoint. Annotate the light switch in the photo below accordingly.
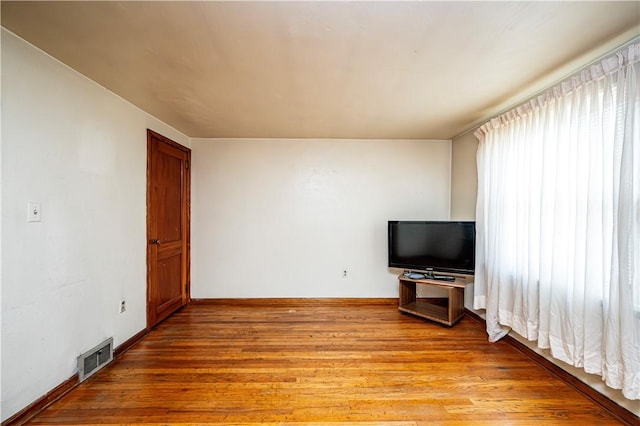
(34, 213)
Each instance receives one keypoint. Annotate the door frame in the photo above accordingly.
(186, 225)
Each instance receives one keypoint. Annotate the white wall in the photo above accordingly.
(283, 218)
(464, 187)
(464, 177)
(80, 151)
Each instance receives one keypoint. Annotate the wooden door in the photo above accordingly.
(168, 217)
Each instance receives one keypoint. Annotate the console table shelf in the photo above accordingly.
(448, 313)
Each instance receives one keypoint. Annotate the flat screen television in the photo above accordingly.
(433, 246)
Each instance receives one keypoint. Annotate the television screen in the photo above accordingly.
(438, 246)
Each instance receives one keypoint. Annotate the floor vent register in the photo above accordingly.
(94, 359)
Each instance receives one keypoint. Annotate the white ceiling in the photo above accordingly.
(396, 70)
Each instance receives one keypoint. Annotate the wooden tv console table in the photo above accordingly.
(448, 314)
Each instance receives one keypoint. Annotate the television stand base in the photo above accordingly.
(448, 312)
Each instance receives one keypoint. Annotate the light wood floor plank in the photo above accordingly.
(324, 362)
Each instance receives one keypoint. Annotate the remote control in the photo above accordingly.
(444, 277)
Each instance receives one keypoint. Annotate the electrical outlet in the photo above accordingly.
(34, 212)
(123, 306)
(345, 274)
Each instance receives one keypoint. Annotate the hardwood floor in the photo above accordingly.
(319, 361)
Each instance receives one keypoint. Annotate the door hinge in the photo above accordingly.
(186, 164)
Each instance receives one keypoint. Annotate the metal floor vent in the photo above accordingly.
(94, 359)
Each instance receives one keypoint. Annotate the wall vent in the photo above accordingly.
(94, 359)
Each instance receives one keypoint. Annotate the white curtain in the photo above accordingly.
(558, 221)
